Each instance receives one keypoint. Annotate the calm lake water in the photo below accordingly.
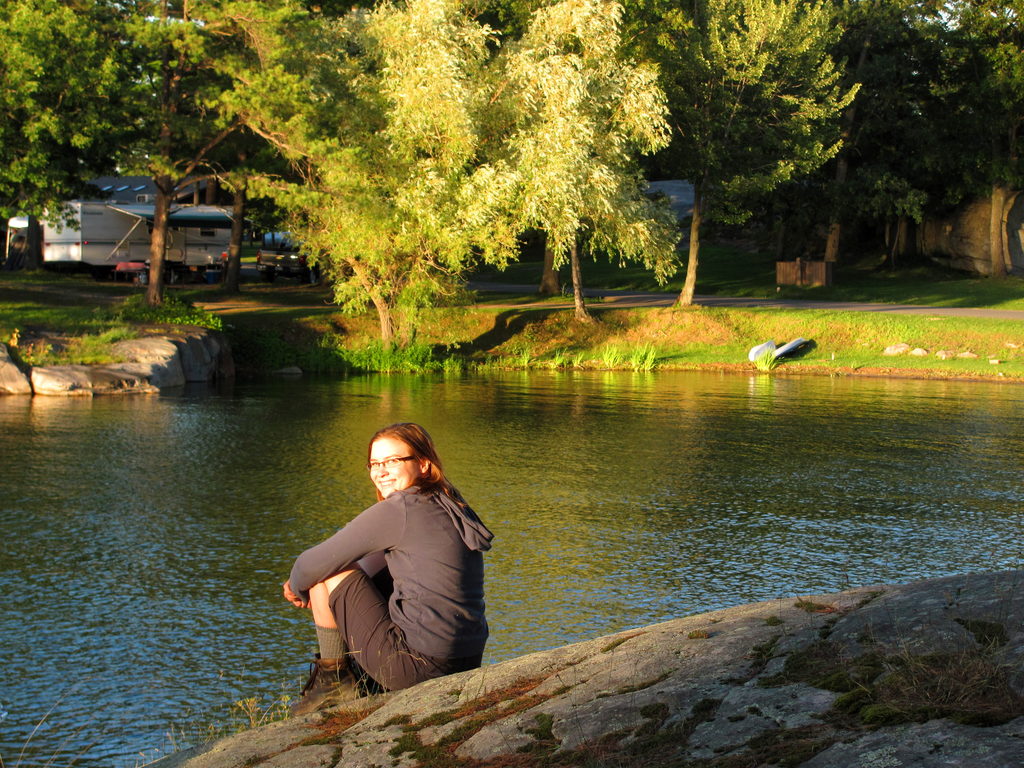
(144, 539)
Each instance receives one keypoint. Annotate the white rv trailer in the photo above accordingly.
(102, 235)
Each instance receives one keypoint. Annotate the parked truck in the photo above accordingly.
(101, 235)
(280, 255)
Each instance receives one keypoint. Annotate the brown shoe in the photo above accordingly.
(330, 681)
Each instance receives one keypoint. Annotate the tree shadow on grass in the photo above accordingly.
(506, 325)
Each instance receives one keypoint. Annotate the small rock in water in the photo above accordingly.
(896, 349)
(291, 370)
(919, 352)
(944, 354)
(967, 356)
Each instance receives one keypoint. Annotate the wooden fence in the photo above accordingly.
(802, 272)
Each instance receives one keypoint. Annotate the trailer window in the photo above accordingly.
(207, 233)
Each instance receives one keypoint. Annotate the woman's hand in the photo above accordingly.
(293, 598)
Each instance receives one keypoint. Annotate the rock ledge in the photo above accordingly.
(150, 364)
(926, 674)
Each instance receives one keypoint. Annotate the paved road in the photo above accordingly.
(639, 299)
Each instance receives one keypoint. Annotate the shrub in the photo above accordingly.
(173, 311)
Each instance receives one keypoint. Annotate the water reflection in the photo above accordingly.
(145, 538)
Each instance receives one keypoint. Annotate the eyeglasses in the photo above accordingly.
(389, 464)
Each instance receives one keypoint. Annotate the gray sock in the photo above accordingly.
(332, 646)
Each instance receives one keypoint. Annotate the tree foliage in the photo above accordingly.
(755, 99)
(383, 118)
(182, 54)
(413, 138)
(61, 99)
(424, 146)
(982, 83)
(580, 113)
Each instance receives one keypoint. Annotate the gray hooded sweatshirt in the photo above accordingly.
(433, 548)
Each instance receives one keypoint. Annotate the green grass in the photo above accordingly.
(767, 362)
(843, 342)
(87, 349)
(55, 319)
(21, 314)
(731, 271)
(46, 300)
(852, 341)
(274, 327)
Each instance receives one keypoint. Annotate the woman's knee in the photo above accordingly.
(320, 598)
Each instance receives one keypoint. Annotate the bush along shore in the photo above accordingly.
(927, 674)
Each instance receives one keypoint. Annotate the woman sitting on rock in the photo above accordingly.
(398, 593)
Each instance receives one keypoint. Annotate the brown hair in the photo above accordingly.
(423, 449)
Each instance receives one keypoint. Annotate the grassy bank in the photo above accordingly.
(273, 327)
(731, 270)
(48, 319)
(461, 338)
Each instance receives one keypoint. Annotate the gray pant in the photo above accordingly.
(376, 644)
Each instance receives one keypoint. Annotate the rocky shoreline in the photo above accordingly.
(148, 365)
(925, 674)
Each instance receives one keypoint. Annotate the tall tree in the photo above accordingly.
(381, 113)
(60, 89)
(755, 100)
(581, 112)
(182, 54)
(882, 176)
(422, 150)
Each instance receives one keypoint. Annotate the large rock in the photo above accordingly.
(962, 240)
(12, 380)
(195, 355)
(150, 364)
(155, 357)
(927, 674)
(88, 380)
(206, 356)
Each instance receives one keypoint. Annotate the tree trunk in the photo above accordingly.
(158, 241)
(165, 186)
(842, 164)
(895, 239)
(234, 265)
(780, 239)
(581, 313)
(387, 321)
(835, 229)
(33, 258)
(899, 245)
(549, 285)
(690, 284)
(995, 231)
